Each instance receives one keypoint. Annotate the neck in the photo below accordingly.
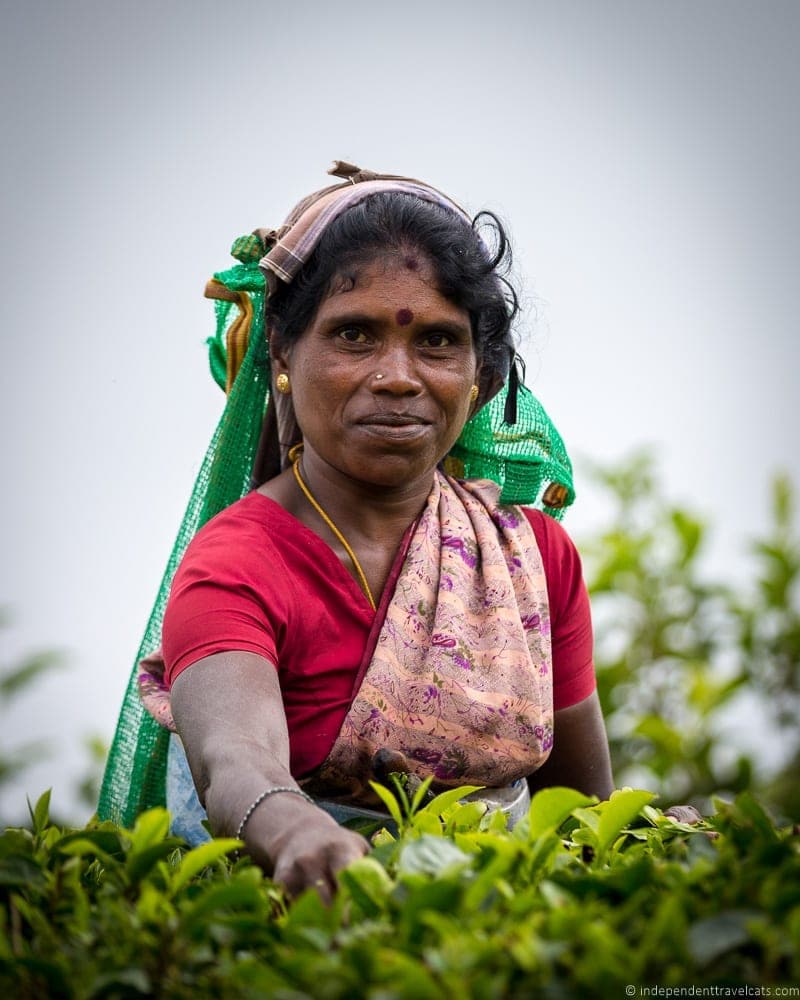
(357, 567)
(371, 512)
(371, 519)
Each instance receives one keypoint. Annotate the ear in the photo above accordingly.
(279, 356)
(474, 407)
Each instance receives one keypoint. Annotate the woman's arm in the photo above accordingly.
(229, 713)
(579, 758)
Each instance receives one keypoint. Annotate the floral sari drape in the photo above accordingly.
(458, 678)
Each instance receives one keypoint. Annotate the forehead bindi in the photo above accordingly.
(404, 317)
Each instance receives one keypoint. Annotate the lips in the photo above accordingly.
(394, 420)
(395, 429)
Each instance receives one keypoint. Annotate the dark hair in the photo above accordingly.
(469, 272)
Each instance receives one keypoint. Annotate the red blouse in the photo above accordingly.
(258, 580)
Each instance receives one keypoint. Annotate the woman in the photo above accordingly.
(361, 610)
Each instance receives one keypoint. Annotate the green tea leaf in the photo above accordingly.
(427, 822)
(621, 808)
(389, 800)
(201, 857)
(748, 807)
(405, 976)
(368, 885)
(20, 871)
(590, 822)
(550, 807)
(420, 794)
(141, 863)
(430, 856)
(40, 814)
(711, 938)
(129, 982)
(149, 828)
(240, 894)
(467, 816)
(446, 800)
(16, 841)
(106, 841)
(80, 847)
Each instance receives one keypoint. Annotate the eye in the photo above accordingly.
(352, 335)
(438, 340)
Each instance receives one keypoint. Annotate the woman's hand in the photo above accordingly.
(229, 713)
(301, 845)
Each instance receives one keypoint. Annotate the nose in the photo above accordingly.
(395, 372)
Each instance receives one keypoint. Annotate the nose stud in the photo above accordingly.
(378, 377)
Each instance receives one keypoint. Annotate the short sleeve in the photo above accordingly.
(217, 600)
(570, 614)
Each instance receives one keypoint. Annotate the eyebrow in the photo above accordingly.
(451, 326)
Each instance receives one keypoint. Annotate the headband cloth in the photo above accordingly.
(295, 241)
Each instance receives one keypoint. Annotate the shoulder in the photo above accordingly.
(560, 560)
(554, 543)
(254, 512)
(231, 589)
(235, 547)
(570, 614)
(253, 518)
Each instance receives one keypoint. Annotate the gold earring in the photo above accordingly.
(282, 383)
(473, 393)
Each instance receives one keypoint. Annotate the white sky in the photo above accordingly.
(644, 154)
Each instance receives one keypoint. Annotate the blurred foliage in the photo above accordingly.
(88, 786)
(15, 681)
(580, 899)
(680, 657)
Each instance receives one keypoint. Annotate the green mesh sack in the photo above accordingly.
(135, 772)
(527, 458)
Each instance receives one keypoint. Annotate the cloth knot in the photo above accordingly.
(247, 249)
(350, 172)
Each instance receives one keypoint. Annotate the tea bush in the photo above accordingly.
(679, 654)
(580, 899)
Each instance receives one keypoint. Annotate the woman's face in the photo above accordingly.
(381, 378)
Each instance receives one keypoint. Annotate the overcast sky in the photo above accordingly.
(645, 156)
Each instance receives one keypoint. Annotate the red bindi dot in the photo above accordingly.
(404, 317)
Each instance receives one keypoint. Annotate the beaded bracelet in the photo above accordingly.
(264, 795)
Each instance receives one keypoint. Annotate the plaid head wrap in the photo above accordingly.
(289, 247)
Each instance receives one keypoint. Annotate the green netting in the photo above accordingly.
(527, 459)
(135, 771)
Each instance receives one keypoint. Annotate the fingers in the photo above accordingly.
(684, 814)
(310, 861)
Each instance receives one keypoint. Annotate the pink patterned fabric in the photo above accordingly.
(460, 679)
(153, 692)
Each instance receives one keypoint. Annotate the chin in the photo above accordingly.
(392, 471)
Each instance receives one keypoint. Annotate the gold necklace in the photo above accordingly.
(317, 507)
